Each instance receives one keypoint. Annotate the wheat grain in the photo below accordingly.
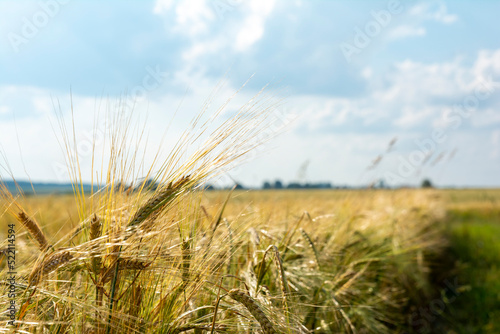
(155, 203)
(254, 309)
(281, 271)
(186, 260)
(95, 232)
(123, 264)
(311, 244)
(132, 264)
(95, 227)
(50, 264)
(34, 229)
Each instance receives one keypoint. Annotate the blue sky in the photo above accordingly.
(353, 75)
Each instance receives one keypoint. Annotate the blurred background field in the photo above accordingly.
(473, 228)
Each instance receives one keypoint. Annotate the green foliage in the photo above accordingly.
(475, 246)
(427, 183)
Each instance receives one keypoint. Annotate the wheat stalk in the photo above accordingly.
(254, 309)
(34, 229)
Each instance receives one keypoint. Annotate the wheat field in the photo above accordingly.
(325, 261)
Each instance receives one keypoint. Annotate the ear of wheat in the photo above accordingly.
(95, 232)
(123, 264)
(95, 227)
(313, 247)
(51, 263)
(158, 201)
(34, 229)
(254, 309)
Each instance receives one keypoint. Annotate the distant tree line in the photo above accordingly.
(278, 184)
(151, 185)
(296, 185)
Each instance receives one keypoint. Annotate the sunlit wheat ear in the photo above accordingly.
(132, 264)
(158, 201)
(95, 232)
(50, 264)
(34, 229)
(281, 271)
(254, 236)
(254, 309)
(186, 260)
(123, 264)
(95, 227)
(311, 244)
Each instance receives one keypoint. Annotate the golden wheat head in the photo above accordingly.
(34, 229)
(254, 309)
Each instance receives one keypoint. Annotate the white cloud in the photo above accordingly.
(252, 29)
(250, 33)
(162, 6)
(404, 31)
(367, 73)
(192, 17)
(435, 12)
(210, 31)
(411, 117)
(487, 63)
(441, 15)
(4, 110)
(413, 95)
(210, 46)
(418, 15)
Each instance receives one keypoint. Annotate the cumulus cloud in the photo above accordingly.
(418, 16)
(192, 17)
(437, 12)
(215, 27)
(412, 96)
(409, 100)
(252, 28)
